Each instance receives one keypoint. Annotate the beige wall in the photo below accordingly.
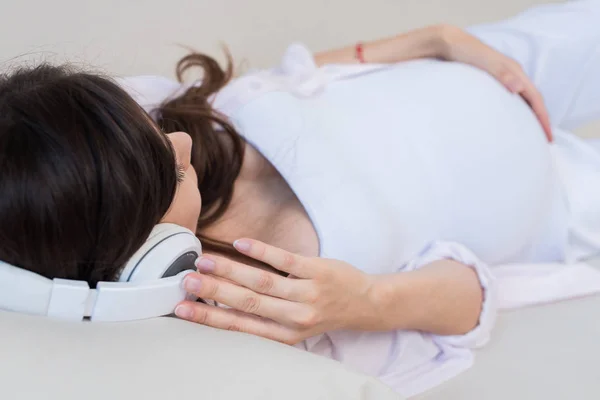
(142, 36)
(127, 37)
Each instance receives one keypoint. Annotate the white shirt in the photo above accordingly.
(397, 165)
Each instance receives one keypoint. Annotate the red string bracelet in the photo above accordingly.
(360, 52)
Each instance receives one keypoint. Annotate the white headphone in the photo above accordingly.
(150, 285)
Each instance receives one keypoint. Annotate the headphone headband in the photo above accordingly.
(147, 293)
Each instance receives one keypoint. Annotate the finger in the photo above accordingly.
(535, 100)
(510, 80)
(275, 257)
(243, 299)
(516, 81)
(514, 85)
(255, 279)
(233, 320)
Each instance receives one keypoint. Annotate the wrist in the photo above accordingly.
(446, 37)
(389, 296)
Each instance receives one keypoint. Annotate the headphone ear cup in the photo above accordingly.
(168, 250)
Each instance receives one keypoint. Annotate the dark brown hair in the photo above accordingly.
(85, 174)
(217, 150)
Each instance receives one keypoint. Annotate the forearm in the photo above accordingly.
(444, 297)
(420, 43)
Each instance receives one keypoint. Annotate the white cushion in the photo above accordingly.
(541, 353)
(163, 359)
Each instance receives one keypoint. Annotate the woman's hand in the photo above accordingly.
(452, 44)
(463, 47)
(322, 295)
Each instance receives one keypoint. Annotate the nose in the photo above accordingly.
(182, 144)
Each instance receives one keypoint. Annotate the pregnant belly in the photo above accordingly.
(453, 156)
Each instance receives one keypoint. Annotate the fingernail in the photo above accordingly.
(192, 283)
(184, 312)
(242, 245)
(205, 265)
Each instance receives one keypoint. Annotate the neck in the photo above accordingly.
(265, 208)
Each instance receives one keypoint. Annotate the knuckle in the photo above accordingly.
(515, 65)
(201, 316)
(235, 327)
(250, 304)
(324, 276)
(290, 340)
(265, 282)
(289, 260)
(313, 296)
(505, 76)
(261, 251)
(212, 288)
(286, 292)
(307, 319)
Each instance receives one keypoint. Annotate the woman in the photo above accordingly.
(350, 202)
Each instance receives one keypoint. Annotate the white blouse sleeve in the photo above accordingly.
(480, 335)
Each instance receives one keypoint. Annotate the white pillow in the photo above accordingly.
(163, 359)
